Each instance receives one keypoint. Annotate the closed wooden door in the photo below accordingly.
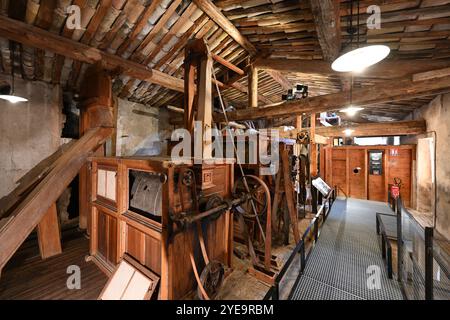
(357, 173)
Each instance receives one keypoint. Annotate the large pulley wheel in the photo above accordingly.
(211, 279)
(255, 193)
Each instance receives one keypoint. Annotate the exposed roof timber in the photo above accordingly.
(388, 69)
(387, 91)
(327, 20)
(281, 79)
(38, 38)
(215, 14)
(397, 128)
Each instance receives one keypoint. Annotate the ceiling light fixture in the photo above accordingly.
(358, 59)
(348, 132)
(351, 110)
(7, 91)
(361, 58)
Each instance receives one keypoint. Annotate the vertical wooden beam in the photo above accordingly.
(96, 110)
(313, 154)
(49, 234)
(189, 95)
(298, 122)
(289, 191)
(252, 87)
(204, 112)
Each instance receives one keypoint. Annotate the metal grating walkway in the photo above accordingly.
(347, 246)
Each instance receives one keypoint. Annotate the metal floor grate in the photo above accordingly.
(348, 245)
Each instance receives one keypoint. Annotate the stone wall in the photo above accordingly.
(437, 116)
(29, 131)
(141, 130)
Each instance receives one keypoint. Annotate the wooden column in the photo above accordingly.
(189, 94)
(49, 234)
(96, 111)
(252, 87)
(313, 147)
(204, 112)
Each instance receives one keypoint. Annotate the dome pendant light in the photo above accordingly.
(7, 91)
(358, 59)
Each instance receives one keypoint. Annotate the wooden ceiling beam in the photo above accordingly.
(39, 38)
(215, 14)
(328, 26)
(388, 69)
(376, 129)
(280, 78)
(388, 91)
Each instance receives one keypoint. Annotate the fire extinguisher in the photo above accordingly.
(395, 188)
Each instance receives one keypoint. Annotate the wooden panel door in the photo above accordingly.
(357, 173)
(339, 170)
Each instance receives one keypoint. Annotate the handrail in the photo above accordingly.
(431, 255)
(324, 211)
(386, 248)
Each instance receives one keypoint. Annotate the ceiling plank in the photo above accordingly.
(38, 38)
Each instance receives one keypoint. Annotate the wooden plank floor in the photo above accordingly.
(27, 277)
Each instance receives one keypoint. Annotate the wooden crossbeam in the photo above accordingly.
(388, 69)
(397, 128)
(39, 38)
(327, 21)
(388, 91)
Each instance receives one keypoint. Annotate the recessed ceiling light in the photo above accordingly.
(359, 59)
(348, 132)
(351, 110)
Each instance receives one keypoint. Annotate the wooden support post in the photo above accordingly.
(204, 111)
(96, 111)
(289, 192)
(252, 87)
(49, 236)
(313, 145)
(298, 122)
(189, 95)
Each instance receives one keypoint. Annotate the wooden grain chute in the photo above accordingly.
(33, 208)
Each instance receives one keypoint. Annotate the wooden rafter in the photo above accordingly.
(327, 20)
(38, 38)
(215, 14)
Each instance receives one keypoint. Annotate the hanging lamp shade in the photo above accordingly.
(7, 93)
(351, 110)
(12, 98)
(358, 59)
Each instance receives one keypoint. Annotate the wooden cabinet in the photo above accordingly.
(120, 224)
